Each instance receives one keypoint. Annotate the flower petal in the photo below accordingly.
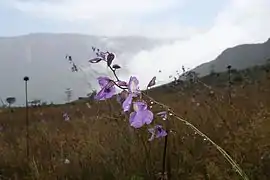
(121, 97)
(161, 134)
(105, 93)
(139, 106)
(136, 120)
(127, 103)
(133, 85)
(100, 95)
(160, 131)
(103, 81)
(142, 117)
(110, 93)
(148, 117)
(131, 117)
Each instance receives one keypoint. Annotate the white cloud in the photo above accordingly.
(111, 17)
(92, 9)
(117, 27)
(242, 21)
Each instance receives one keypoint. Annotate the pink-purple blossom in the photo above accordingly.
(157, 132)
(133, 90)
(107, 88)
(66, 116)
(141, 115)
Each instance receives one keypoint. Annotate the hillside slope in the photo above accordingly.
(239, 57)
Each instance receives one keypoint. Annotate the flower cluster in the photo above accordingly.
(132, 102)
(130, 97)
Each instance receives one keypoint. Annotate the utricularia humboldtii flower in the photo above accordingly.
(133, 91)
(130, 98)
(157, 132)
(66, 116)
(141, 115)
(107, 88)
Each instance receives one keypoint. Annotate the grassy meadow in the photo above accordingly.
(98, 142)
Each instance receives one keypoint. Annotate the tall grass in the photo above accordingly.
(99, 143)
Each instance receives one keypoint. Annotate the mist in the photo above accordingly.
(236, 24)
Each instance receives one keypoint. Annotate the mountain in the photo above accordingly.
(239, 57)
(42, 58)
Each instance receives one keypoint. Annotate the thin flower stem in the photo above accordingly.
(164, 155)
(235, 166)
(123, 88)
(114, 73)
(229, 85)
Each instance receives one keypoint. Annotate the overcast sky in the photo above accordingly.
(161, 18)
(207, 26)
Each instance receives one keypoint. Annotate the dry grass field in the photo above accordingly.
(98, 142)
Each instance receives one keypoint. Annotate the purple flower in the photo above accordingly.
(157, 132)
(133, 85)
(66, 117)
(103, 81)
(122, 96)
(127, 103)
(133, 90)
(163, 114)
(141, 115)
(107, 88)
